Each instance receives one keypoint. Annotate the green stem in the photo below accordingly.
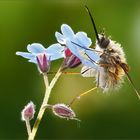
(45, 101)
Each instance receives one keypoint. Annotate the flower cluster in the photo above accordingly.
(105, 62)
(78, 44)
(74, 48)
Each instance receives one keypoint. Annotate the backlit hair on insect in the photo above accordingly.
(113, 65)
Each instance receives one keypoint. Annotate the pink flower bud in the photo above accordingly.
(63, 111)
(70, 61)
(28, 112)
(43, 62)
(67, 52)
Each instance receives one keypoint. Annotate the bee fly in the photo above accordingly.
(112, 63)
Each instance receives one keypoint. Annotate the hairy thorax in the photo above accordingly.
(113, 66)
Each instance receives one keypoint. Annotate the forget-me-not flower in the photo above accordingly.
(42, 56)
(78, 44)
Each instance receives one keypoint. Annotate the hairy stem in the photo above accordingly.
(46, 81)
(28, 126)
(45, 101)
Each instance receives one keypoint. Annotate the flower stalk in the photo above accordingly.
(45, 101)
(28, 126)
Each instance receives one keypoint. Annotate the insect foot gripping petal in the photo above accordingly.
(63, 111)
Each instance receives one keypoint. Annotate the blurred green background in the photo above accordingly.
(104, 116)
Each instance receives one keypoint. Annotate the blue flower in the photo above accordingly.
(78, 44)
(42, 56)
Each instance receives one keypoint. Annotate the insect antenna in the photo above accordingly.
(131, 82)
(93, 23)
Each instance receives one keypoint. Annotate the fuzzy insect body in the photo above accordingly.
(112, 65)
(111, 73)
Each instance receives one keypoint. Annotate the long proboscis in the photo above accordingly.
(93, 23)
(86, 53)
(89, 49)
(131, 82)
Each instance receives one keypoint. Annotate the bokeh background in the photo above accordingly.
(104, 116)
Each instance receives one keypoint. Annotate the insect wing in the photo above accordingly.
(88, 71)
(93, 56)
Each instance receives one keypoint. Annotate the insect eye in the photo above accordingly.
(104, 42)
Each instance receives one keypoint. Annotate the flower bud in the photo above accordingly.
(63, 111)
(28, 111)
(67, 52)
(43, 62)
(70, 61)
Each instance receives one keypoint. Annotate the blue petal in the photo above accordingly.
(35, 48)
(33, 60)
(67, 31)
(93, 55)
(86, 56)
(55, 48)
(31, 57)
(80, 45)
(55, 51)
(89, 63)
(60, 38)
(25, 55)
(56, 56)
(73, 48)
(83, 39)
(86, 59)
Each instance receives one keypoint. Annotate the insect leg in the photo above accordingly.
(80, 95)
(130, 80)
(98, 82)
